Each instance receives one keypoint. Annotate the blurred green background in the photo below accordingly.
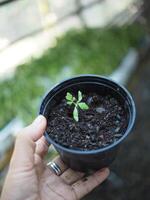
(83, 51)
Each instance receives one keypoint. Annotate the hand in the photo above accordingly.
(29, 178)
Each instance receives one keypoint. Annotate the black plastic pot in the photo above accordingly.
(93, 159)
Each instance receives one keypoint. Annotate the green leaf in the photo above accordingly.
(83, 106)
(75, 114)
(69, 96)
(69, 103)
(79, 96)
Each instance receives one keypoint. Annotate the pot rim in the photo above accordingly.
(109, 147)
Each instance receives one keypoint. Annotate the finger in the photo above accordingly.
(83, 187)
(39, 164)
(24, 150)
(36, 129)
(41, 150)
(41, 147)
(70, 176)
(60, 164)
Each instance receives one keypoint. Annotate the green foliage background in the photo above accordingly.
(96, 51)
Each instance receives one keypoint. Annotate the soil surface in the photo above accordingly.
(102, 124)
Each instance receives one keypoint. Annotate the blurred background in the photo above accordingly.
(45, 41)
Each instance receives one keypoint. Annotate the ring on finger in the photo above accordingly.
(55, 168)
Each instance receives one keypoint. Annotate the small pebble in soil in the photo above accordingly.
(90, 100)
(100, 110)
(102, 124)
(117, 129)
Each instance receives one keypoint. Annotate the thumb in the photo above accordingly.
(23, 155)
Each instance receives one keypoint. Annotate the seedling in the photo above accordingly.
(77, 104)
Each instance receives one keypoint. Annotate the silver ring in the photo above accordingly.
(56, 169)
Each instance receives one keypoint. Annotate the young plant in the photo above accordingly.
(77, 104)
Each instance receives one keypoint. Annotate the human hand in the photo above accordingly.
(29, 178)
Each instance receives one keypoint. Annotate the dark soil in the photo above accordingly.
(102, 124)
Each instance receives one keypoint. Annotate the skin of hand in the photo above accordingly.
(29, 178)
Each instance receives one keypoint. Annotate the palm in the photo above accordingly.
(45, 186)
(38, 182)
(48, 185)
(54, 187)
(69, 186)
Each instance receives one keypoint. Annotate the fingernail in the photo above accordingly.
(38, 120)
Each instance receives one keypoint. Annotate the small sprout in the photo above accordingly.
(77, 104)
